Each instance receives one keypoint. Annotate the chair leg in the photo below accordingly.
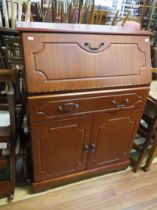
(12, 173)
(141, 156)
(10, 197)
(151, 155)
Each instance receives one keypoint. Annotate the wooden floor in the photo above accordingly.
(120, 191)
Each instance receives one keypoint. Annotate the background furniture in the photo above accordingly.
(72, 12)
(86, 90)
(12, 10)
(147, 138)
(10, 118)
(10, 74)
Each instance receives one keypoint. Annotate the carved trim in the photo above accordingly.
(98, 133)
(45, 135)
(89, 87)
(42, 109)
(81, 47)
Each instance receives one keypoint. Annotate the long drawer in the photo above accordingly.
(84, 61)
(49, 107)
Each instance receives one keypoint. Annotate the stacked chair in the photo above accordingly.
(13, 10)
(11, 108)
(10, 120)
(72, 11)
(145, 145)
(146, 149)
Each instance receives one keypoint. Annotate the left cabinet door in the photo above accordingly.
(59, 147)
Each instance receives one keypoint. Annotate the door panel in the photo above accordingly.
(84, 61)
(58, 147)
(112, 137)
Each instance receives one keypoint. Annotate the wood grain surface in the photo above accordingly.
(59, 62)
(77, 28)
(120, 191)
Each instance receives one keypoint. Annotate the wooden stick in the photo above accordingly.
(143, 10)
(28, 10)
(73, 12)
(80, 14)
(1, 25)
(5, 13)
(97, 15)
(125, 19)
(80, 10)
(12, 15)
(115, 17)
(43, 13)
(53, 11)
(9, 10)
(62, 12)
(100, 17)
(69, 12)
(153, 8)
(59, 9)
(91, 18)
(19, 9)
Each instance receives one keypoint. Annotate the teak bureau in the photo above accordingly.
(86, 90)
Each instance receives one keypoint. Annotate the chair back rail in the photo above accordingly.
(12, 10)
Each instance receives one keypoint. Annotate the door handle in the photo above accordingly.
(92, 147)
(89, 148)
(86, 148)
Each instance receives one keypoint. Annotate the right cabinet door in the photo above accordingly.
(112, 137)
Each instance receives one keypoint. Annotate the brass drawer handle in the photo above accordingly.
(68, 107)
(126, 101)
(89, 47)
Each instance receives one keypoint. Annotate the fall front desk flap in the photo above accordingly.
(76, 56)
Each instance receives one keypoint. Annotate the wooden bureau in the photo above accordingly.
(86, 90)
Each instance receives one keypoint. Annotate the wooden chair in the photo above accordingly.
(12, 106)
(152, 153)
(12, 54)
(72, 12)
(12, 10)
(1, 61)
(147, 132)
(10, 120)
(127, 21)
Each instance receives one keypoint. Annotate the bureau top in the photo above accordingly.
(77, 28)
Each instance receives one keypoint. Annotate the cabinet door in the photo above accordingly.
(112, 137)
(58, 147)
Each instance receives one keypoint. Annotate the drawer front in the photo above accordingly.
(71, 61)
(45, 108)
